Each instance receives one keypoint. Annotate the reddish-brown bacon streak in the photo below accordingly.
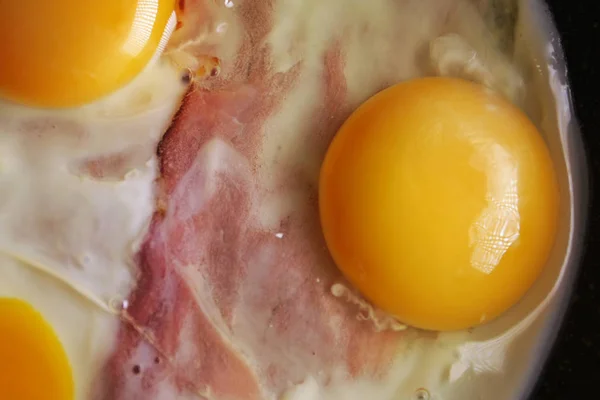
(207, 267)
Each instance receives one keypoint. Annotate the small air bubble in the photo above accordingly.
(279, 235)
(118, 304)
(421, 394)
(222, 27)
(228, 3)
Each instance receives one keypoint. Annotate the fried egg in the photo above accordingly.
(479, 360)
(33, 352)
(133, 269)
(85, 98)
(53, 342)
(439, 201)
(67, 53)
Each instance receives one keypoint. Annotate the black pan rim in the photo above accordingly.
(580, 176)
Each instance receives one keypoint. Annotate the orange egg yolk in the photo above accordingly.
(439, 202)
(64, 53)
(33, 364)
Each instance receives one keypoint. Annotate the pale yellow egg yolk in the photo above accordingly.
(33, 364)
(64, 53)
(439, 202)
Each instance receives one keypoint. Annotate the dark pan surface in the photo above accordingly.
(573, 369)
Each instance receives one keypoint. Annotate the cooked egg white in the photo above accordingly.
(385, 42)
(76, 198)
(55, 215)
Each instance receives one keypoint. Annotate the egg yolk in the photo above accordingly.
(33, 364)
(439, 202)
(64, 53)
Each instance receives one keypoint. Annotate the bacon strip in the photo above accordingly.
(225, 308)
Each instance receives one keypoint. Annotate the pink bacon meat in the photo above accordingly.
(225, 309)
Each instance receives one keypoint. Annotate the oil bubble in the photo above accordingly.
(421, 394)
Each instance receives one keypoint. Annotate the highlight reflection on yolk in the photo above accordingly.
(64, 53)
(439, 202)
(33, 364)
